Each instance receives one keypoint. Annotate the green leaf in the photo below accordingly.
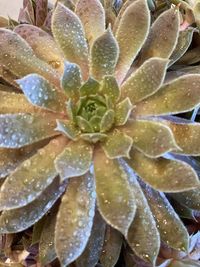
(91, 254)
(123, 111)
(167, 220)
(18, 130)
(107, 121)
(75, 219)
(69, 34)
(32, 177)
(190, 199)
(150, 137)
(71, 80)
(90, 87)
(164, 174)
(117, 145)
(19, 58)
(75, 160)
(40, 92)
(145, 81)
(92, 15)
(93, 137)
(39, 40)
(143, 236)
(84, 125)
(13, 221)
(67, 128)
(104, 55)
(115, 201)
(180, 95)
(111, 248)
(37, 230)
(109, 87)
(134, 25)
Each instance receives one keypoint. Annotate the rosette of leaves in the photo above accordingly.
(87, 129)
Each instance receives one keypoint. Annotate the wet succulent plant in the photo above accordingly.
(86, 125)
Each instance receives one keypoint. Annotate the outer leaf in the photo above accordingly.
(145, 81)
(143, 236)
(41, 93)
(150, 137)
(104, 55)
(13, 221)
(32, 177)
(167, 220)
(67, 128)
(39, 40)
(18, 130)
(115, 201)
(134, 25)
(93, 137)
(92, 15)
(123, 111)
(69, 34)
(17, 56)
(90, 255)
(75, 219)
(164, 174)
(41, 12)
(111, 248)
(190, 198)
(75, 160)
(180, 95)
(110, 88)
(107, 121)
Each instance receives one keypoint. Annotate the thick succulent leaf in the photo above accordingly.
(111, 248)
(163, 36)
(117, 145)
(41, 12)
(37, 230)
(180, 95)
(71, 80)
(114, 198)
(84, 125)
(190, 198)
(75, 160)
(107, 121)
(32, 177)
(91, 254)
(183, 211)
(150, 137)
(8, 76)
(3, 22)
(90, 87)
(167, 220)
(93, 137)
(69, 34)
(123, 111)
(40, 92)
(13, 221)
(104, 55)
(75, 219)
(39, 40)
(67, 128)
(192, 56)
(143, 236)
(164, 174)
(134, 25)
(92, 15)
(17, 56)
(145, 81)
(110, 88)
(18, 130)
(184, 263)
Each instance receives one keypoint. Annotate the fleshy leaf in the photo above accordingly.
(92, 15)
(90, 255)
(90, 87)
(163, 36)
(143, 236)
(145, 81)
(164, 174)
(167, 220)
(67, 128)
(104, 55)
(134, 25)
(39, 40)
(75, 160)
(151, 137)
(18, 130)
(84, 125)
(41, 11)
(41, 93)
(93, 137)
(37, 230)
(123, 111)
(19, 58)
(180, 95)
(71, 80)
(69, 34)
(32, 177)
(75, 219)
(115, 201)
(110, 88)
(190, 199)
(107, 121)
(117, 145)
(13, 221)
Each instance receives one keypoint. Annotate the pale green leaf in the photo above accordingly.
(84, 125)
(190, 199)
(93, 137)
(123, 111)
(90, 87)
(110, 88)
(107, 121)
(67, 128)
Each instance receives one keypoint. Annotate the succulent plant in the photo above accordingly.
(91, 128)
